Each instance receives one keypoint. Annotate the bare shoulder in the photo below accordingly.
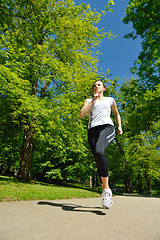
(114, 103)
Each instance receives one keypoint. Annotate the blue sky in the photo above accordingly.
(118, 54)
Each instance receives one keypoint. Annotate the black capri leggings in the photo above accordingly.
(99, 138)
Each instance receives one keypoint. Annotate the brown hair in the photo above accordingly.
(98, 81)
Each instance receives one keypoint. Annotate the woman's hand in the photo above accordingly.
(120, 132)
(118, 118)
(95, 97)
(86, 108)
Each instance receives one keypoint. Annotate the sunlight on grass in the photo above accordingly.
(13, 191)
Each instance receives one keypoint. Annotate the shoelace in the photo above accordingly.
(106, 194)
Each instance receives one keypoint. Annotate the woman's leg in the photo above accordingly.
(105, 183)
(99, 139)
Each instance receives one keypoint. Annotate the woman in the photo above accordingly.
(101, 133)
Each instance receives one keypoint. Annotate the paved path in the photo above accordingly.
(130, 218)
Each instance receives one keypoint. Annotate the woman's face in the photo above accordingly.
(98, 87)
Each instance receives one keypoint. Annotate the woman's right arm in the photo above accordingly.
(87, 107)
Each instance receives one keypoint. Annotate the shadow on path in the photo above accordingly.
(73, 207)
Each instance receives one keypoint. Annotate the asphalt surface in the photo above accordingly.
(130, 218)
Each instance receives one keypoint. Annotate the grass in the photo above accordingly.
(11, 190)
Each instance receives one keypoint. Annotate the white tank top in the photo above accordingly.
(100, 113)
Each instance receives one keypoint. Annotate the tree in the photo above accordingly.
(144, 15)
(140, 97)
(140, 117)
(46, 58)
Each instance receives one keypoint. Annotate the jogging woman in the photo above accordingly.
(101, 133)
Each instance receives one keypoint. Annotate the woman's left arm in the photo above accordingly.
(117, 116)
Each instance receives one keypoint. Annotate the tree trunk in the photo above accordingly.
(26, 153)
(128, 184)
(140, 184)
(148, 180)
(90, 182)
(93, 182)
(127, 179)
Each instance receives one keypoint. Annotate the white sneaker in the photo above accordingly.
(107, 198)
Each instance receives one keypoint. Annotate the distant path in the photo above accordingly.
(130, 218)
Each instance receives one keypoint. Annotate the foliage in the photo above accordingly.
(139, 99)
(47, 66)
(144, 15)
(140, 117)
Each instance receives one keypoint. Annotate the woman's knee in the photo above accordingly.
(100, 154)
(99, 151)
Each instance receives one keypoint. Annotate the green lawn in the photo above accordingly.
(11, 190)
